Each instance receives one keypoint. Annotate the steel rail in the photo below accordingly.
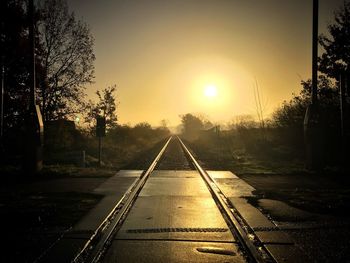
(96, 245)
(255, 253)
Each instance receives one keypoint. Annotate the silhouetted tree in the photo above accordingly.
(14, 60)
(64, 60)
(164, 123)
(106, 106)
(67, 60)
(142, 130)
(289, 118)
(244, 121)
(336, 56)
(191, 125)
(291, 114)
(334, 60)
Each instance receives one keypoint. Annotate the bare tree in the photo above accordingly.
(106, 106)
(164, 123)
(67, 58)
(258, 105)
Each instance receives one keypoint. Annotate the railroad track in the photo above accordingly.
(98, 244)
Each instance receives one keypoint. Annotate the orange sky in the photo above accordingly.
(161, 54)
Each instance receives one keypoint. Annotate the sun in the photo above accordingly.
(210, 91)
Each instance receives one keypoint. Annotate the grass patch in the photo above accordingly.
(12, 175)
(231, 151)
(73, 171)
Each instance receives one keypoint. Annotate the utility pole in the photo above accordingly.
(342, 84)
(344, 118)
(34, 126)
(100, 132)
(314, 98)
(312, 120)
(32, 53)
(2, 91)
(2, 146)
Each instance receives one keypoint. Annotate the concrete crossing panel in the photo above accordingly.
(158, 217)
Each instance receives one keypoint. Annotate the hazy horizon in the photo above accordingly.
(162, 54)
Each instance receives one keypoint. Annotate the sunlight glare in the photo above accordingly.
(210, 91)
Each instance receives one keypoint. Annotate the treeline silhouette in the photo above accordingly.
(65, 63)
(121, 144)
